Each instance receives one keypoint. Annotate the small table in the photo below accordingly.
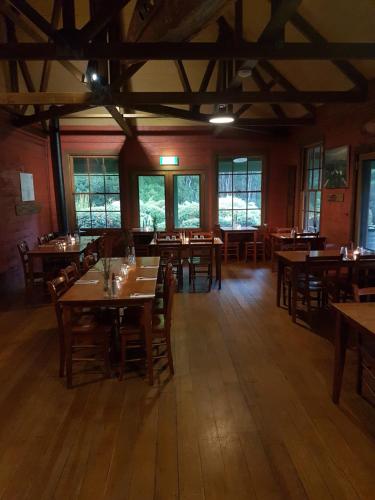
(93, 295)
(53, 249)
(360, 316)
(227, 232)
(296, 260)
(218, 243)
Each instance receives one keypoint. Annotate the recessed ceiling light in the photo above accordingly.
(244, 72)
(222, 116)
(240, 160)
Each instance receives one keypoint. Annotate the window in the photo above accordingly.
(96, 191)
(186, 192)
(240, 192)
(367, 204)
(151, 196)
(312, 187)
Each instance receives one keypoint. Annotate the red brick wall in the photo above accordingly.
(337, 125)
(22, 152)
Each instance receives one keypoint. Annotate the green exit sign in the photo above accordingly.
(168, 160)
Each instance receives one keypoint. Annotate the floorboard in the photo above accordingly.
(248, 414)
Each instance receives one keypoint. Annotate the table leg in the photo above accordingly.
(341, 338)
(147, 322)
(31, 271)
(218, 264)
(280, 271)
(294, 293)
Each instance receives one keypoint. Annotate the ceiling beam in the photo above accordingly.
(110, 9)
(120, 120)
(27, 28)
(190, 51)
(282, 11)
(107, 98)
(56, 12)
(12, 65)
(52, 112)
(350, 71)
(33, 15)
(183, 75)
(262, 85)
(69, 17)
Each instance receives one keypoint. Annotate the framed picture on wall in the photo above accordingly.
(336, 168)
(27, 187)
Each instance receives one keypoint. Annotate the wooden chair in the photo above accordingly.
(160, 235)
(86, 340)
(319, 281)
(170, 251)
(200, 260)
(23, 249)
(283, 229)
(132, 336)
(70, 273)
(364, 271)
(317, 243)
(196, 233)
(366, 350)
(88, 261)
(57, 287)
(232, 249)
(256, 246)
(161, 298)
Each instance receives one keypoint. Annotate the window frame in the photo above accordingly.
(169, 174)
(306, 190)
(72, 205)
(262, 191)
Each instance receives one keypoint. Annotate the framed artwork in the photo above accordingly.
(336, 168)
(27, 187)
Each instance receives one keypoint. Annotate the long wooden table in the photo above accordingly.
(218, 244)
(54, 249)
(360, 316)
(296, 260)
(93, 295)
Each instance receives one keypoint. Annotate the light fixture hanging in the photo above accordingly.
(222, 116)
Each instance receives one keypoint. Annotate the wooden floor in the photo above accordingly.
(248, 414)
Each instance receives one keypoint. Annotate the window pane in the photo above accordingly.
(225, 166)
(225, 201)
(317, 204)
(225, 183)
(310, 181)
(112, 202)
(316, 183)
(240, 200)
(111, 165)
(96, 165)
(98, 202)
(239, 182)
(97, 183)
(113, 219)
(254, 182)
(225, 218)
(151, 195)
(253, 217)
(112, 184)
(98, 219)
(81, 183)
(82, 202)
(255, 166)
(317, 155)
(311, 201)
(83, 219)
(254, 200)
(240, 166)
(239, 218)
(79, 165)
(186, 200)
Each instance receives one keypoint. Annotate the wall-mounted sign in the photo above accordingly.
(28, 208)
(336, 197)
(27, 187)
(168, 160)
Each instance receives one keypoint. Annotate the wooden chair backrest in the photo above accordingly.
(200, 234)
(88, 261)
(170, 249)
(367, 292)
(364, 270)
(324, 266)
(164, 234)
(201, 248)
(70, 273)
(318, 243)
(57, 287)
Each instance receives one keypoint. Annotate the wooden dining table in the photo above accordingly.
(361, 318)
(218, 244)
(278, 239)
(137, 289)
(296, 261)
(59, 248)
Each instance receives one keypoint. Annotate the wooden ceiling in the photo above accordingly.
(300, 53)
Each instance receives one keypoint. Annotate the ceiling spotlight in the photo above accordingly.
(245, 72)
(222, 116)
(94, 77)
